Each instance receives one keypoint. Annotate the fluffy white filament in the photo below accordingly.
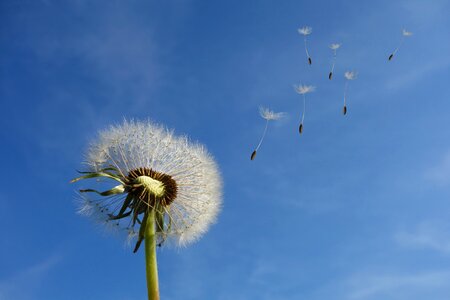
(333, 47)
(350, 75)
(405, 33)
(303, 90)
(270, 115)
(305, 31)
(135, 145)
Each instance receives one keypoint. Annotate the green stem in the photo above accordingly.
(150, 256)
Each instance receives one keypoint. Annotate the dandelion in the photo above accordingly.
(303, 90)
(305, 31)
(268, 115)
(405, 33)
(167, 189)
(349, 75)
(333, 47)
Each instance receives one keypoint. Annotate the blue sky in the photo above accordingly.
(356, 208)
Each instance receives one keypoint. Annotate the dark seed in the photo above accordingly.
(300, 128)
(391, 56)
(138, 244)
(344, 110)
(330, 75)
(253, 155)
(309, 60)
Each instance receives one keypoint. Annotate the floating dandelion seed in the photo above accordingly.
(349, 75)
(405, 33)
(305, 31)
(333, 47)
(303, 90)
(169, 189)
(268, 115)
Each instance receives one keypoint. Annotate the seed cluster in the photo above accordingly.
(140, 192)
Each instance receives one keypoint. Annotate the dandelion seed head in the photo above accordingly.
(270, 114)
(406, 33)
(169, 172)
(304, 89)
(305, 30)
(335, 46)
(350, 75)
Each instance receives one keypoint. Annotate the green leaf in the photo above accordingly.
(119, 189)
(98, 174)
(110, 168)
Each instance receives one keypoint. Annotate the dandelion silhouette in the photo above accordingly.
(349, 75)
(169, 189)
(305, 31)
(303, 90)
(405, 33)
(333, 47)
(268, 115)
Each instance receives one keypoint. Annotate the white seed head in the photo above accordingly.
(304, 89)
(270, 114)
(350, 75)
(406, 33)
(335, 46)
(134, 145)
(305, 30)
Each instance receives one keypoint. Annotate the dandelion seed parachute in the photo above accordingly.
(305, 31)
(333, 47)
(303, 90)
(268, 115)
(405, 33)
(349, 75)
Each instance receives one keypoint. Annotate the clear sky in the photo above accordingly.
(356, 208)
